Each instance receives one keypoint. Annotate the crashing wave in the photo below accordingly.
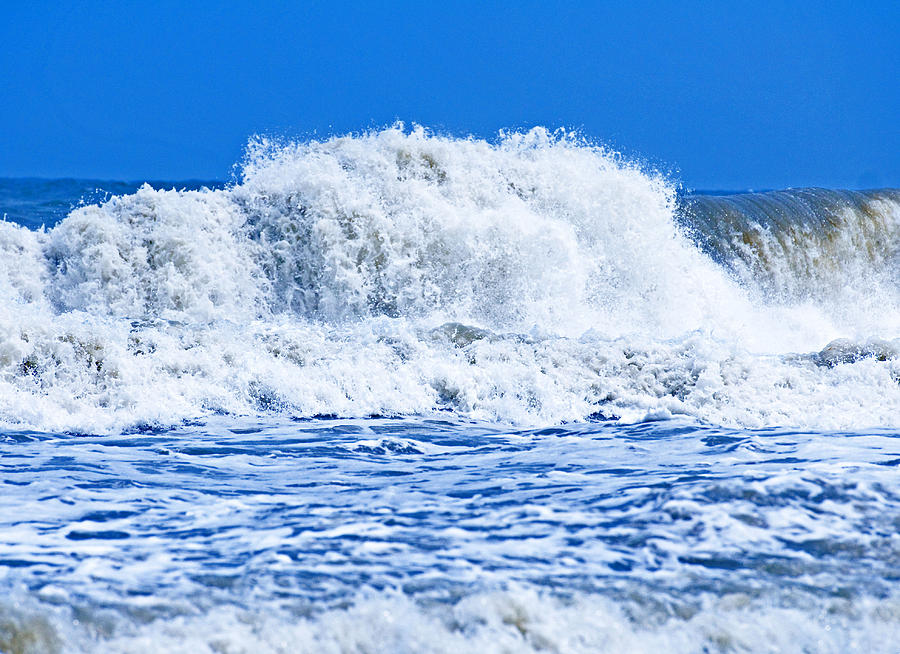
(537, 279)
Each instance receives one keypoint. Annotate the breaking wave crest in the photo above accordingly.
(537, 279)
(836, 248)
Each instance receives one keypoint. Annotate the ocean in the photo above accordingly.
(402, 392)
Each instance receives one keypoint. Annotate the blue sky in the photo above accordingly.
(720, 95)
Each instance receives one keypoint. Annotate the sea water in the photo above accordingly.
(399, 392)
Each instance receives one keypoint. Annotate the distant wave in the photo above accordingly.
(804, 243)
(536, 280)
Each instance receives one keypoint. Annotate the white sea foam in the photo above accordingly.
(536, 280)
(517, 620)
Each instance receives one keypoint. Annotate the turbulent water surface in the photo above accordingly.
(409, 393)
